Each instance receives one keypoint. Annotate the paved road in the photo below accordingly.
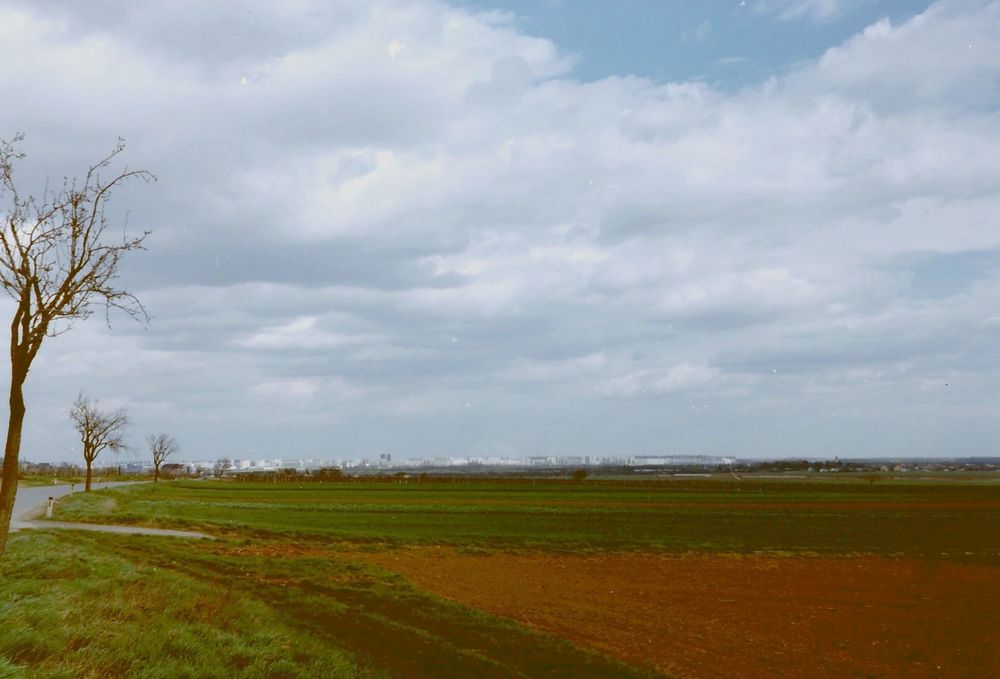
(29, 503)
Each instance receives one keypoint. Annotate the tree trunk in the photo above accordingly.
(156, 472)
(12, 448)
(90, 473)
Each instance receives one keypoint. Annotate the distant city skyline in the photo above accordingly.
(510, 228)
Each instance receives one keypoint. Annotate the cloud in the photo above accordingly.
(295, 389)
(816, 10)
(299, 333)
(532, 371)
(469, 222)
(680, 377)
(699, 33)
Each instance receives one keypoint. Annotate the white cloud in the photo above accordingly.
(756, 289)
(295, 389)
(325, 230)
(698, 33)
(560, 370)
(819, 10)
(299, 333)
(681, 377)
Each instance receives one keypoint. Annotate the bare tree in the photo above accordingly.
(54, 263)
(162, 447)
(98, 430)
(222, 465)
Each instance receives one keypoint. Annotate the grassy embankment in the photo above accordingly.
(286, 591)
(74, 605)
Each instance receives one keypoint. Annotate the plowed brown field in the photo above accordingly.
(712, 615)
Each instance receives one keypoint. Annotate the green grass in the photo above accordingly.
(76, 604)
(919, 520)
(35, 480)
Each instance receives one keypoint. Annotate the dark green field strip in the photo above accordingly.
(704, 490)
(924, 525)
(555, 495)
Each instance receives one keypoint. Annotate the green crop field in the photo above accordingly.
(905, 518)
(285, 590)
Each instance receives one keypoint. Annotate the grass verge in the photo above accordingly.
(72, 605)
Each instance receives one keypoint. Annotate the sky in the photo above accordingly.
(508, 228)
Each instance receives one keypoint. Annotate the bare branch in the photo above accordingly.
(55, 247)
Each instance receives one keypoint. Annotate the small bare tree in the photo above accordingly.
(222, 465)
(162, 447)
(54, 263)
(98, 430)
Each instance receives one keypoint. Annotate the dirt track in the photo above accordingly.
(704, 615)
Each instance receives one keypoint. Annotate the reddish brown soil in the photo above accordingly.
(710, 615)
